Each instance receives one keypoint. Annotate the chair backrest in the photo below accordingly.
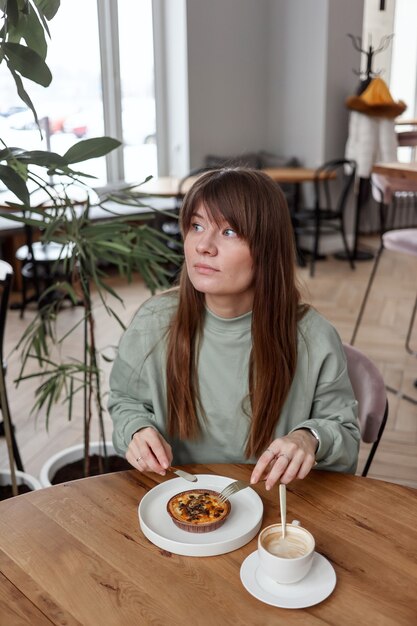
(324, 184)
(370, 392)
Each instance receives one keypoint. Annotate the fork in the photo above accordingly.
(232, 489)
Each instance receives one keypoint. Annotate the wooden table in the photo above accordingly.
(170, 186)
(74, 554)
(408, 171)
(296, 175)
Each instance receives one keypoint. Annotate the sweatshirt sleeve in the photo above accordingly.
(131, 396)
(334, 408)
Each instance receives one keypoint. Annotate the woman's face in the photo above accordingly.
(219, 264)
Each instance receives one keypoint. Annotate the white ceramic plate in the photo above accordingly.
(241, 526)
(314, 588)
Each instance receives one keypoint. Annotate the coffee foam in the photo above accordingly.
(290, 547)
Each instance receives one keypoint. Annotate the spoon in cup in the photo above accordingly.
(283, 507)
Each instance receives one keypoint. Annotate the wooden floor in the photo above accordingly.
(336, 291)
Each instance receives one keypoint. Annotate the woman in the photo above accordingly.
(231, 366)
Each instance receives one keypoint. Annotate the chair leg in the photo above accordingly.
(348, 252)
(400, 394)
(315, 247)
(376, 443)
(365, 297)
(410, 330)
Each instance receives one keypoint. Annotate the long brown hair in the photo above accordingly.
(255, 207)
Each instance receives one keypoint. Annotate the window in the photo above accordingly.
(71, 108)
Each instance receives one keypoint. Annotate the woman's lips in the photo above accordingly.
(201, 268)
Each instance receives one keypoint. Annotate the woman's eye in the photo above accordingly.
(229, 232)
(196, 227)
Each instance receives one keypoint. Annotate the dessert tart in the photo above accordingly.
(198, 510)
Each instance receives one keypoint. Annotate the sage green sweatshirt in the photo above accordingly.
(321, 395)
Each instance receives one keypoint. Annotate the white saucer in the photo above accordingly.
(314, 588)
(241, 526)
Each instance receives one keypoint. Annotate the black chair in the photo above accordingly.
(332, 184)
(41, 265)
(6, 426)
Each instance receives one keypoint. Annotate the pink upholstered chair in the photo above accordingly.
(369, 389)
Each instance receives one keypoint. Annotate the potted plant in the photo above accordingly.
(128, 243)
(12, 481)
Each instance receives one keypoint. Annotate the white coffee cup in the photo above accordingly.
(286, 560)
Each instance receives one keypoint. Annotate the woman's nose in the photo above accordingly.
(206, 243)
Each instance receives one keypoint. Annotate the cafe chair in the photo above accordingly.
(405, 241)
(42, 264)
(369, 389)
(6, 277)
(333, 183)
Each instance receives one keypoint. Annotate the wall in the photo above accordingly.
(227, 76)
(272, 74)
(311, 61)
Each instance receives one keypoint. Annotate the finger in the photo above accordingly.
(277, 471)
(158, 454)
(264, 461)
(136, 462)
(306, 467)
(154, 451)
(293, 468)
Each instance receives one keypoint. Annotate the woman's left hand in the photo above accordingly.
(286, 459)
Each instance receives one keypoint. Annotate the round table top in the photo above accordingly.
(75, 553)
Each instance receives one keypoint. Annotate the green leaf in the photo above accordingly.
(34, 34)
(91, 149)
(14, 183)
(23, 95)
(10, 153)
(42, 158)
(31, 30)
(28, 63)
(48, 8)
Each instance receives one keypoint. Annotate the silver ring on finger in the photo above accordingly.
(138, 459)
(286, 456)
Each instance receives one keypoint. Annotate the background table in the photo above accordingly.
(170, 186)
(408, 171)
(75, 554)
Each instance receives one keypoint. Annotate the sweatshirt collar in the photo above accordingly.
(228, 324)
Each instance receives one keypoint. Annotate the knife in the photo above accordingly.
(182, 474)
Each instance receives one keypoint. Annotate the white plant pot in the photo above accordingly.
(69, 455)
(21, 479)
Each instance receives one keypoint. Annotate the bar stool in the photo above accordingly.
(6, 426)
(405, 241)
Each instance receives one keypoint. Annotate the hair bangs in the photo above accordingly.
(226, 196)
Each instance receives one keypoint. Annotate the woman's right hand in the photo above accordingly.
(149, 452)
